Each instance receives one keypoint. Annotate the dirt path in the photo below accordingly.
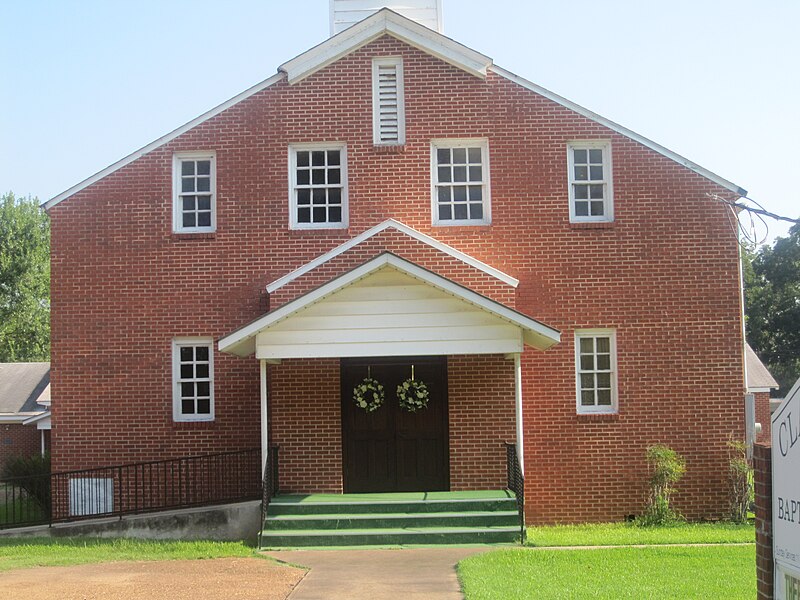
(217, 579)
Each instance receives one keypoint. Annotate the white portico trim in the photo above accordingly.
(390, 306)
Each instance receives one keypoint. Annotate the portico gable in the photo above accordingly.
(389, 306)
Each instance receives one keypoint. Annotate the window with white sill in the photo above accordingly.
(596, 371)
(591, 197)
(193, 379)
(318, 186)
(194, 192)
(460, 182)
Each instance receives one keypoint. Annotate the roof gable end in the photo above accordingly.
(242, 341)
(402, 228)
(386, 22)
(685, 162)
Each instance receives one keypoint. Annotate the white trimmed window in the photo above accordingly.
(194, 192)
(460, 174)
(591, 195)
(318, 186)
(596, 370)
(388, 103)
(193, 379)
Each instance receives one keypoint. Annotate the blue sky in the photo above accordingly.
(85, 83)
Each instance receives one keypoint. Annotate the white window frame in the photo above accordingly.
(396, 62)
(293, 149)
(607, 182)
(487, 196)
(594, 333)
(177, 344)
(177, 212)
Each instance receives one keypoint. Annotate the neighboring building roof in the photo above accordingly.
(534, 333)
(41, 420)
(759, 378)
(387, 22)
(24, 387)
(403, 228)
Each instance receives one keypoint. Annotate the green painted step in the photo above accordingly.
(392, 520)
(384, 496)
(385, 536)
(281, 506)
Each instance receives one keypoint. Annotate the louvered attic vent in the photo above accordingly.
(388, 114)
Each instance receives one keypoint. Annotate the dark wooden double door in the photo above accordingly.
(391, 449)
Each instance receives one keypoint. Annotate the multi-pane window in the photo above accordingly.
(595, 355)
(193, 379)
(318, 187)
(194, 202)
(590, 190)
(460, 183)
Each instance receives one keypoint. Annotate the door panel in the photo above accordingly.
(392, 449)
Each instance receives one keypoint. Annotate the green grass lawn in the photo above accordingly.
(626, 534)
(18, 553)
(654, 573)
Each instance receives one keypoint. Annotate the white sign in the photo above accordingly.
(786, 495)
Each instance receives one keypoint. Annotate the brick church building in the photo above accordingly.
(392, 205)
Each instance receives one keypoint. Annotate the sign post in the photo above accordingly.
(786, 496)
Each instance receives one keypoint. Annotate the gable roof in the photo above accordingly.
(387, 22)
(721, 181)
(242, 341)
(759, 379)
(165, 139)
(401, 227)
(23, 386)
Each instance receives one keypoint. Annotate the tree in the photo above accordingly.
(24, 280)
(772, 299)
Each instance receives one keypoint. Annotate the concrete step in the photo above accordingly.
(337, 521)
(412, 518)
(389, 537)
(281, 506)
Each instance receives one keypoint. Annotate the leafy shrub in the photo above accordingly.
(32, 474)
(741, 480)
(667, 468)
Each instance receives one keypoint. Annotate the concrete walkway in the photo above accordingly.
(378, 574)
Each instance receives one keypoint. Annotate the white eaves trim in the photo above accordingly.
(386, 21)
(162, 140)
(18, 417)
(547, 335)
(401, 227)
(37, 417)
(620, 129)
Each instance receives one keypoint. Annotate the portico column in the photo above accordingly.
(264, 423)
(518, 401)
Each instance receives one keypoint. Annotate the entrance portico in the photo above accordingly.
(382, 312)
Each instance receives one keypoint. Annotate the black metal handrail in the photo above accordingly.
(269, 486)
(131, 488)
(516, 483)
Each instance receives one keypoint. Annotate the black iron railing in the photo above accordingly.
(516, 484)
(269, 485)
(132, 488)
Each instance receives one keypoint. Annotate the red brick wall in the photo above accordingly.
(764, 416)
(765, 564)
(306, 423)
(18, 440)
(664, 274)
(481, 415)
